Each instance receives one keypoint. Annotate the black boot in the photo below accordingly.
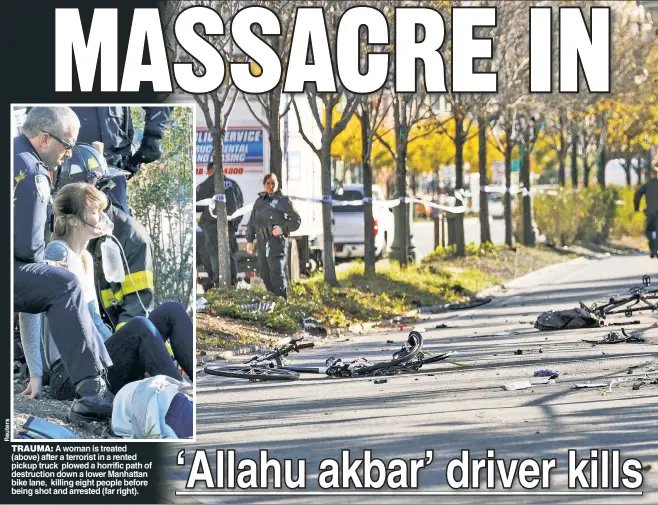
(93, 400)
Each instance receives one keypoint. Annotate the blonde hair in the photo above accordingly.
(72, 200)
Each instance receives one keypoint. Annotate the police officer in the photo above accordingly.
(650, 191)
(272, 219)
(48, 135)
(208, 224)
(114, 127)
(135, 296)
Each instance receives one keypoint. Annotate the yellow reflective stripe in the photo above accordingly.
(168, 347)
(110, 298)
(142, 280)
(120, 325)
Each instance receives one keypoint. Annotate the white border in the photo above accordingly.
(13, 106)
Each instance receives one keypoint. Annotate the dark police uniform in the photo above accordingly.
(208, 224)
(119, 302)
(114, 127)
(650, 191)
(39, 287)
(270, 211)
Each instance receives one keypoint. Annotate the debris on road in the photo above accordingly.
(390, 342)
(551, 374)
(314, 327)
(517, 385)
(624, 323)
(441, 326)
(381, 381)
(591, 385)
(615, 338)
(259, 307)
(518, 351)
(566, 320)
(475, 302)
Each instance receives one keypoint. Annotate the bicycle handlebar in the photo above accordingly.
(307, 345)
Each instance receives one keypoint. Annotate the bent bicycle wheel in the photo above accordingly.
(252, 373)
(414, 345)
(438, 357)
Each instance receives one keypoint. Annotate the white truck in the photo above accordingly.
(349, 233)
(247, 161)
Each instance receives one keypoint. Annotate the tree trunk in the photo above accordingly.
(602, 161)
(459, 153)
(628, 168)
(276, 153)
(528, 233)
(327, 225)
(369, 236)
(562, 153)
(401, 215)
(223, 247)
(508, 194)
(485, 232)
(586, 169)
(574, 161)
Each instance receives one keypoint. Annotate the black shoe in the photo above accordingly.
(652, 254)
(93, 400)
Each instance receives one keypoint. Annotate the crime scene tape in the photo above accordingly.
(460, 195)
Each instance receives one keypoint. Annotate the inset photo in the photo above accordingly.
(103, 274)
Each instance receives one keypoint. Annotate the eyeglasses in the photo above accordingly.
(270, 183)
(67, 145)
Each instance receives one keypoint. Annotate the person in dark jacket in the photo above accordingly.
(113, 126)
(208, 224)
(273, 218)
(48, 136)
(650, 191)
(135, 297)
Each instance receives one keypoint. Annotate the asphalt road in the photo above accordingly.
(448, 408)
(423, 234)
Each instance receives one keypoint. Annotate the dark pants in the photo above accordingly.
(651, 227)
(39, 287)
(272, 264)
(138, 348)
(212, 248)
(117, 194)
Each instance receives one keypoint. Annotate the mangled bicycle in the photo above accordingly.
(271, 366)
(638, 299)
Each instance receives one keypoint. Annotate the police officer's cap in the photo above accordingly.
(86, 164)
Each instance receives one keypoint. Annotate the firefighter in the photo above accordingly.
(208, 224)
(273, 218)
(48, 137)
(119, 302)
(650, 191)
(113, 126)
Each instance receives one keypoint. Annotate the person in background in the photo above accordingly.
(650, 191)
(273, 218)
(40, 285)
(138, 348)
(208, 224)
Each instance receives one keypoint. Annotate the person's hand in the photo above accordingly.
(276, 231)
(250, 248)
(148, 152)
(33, 388)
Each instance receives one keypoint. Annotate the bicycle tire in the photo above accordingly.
(417, 343)
(252, 373)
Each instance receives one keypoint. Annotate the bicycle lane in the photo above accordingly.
(449, 408)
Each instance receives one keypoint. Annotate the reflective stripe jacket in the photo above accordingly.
(118, 301)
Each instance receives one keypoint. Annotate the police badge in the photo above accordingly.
(42, 182)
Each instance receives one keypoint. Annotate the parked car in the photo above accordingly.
(496, 206)
(349, 238)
